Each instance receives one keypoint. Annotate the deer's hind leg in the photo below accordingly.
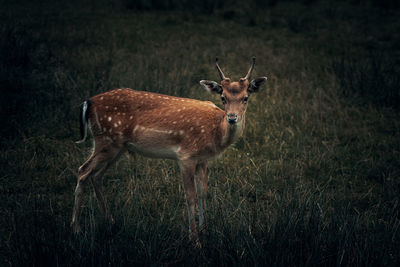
(93, 169)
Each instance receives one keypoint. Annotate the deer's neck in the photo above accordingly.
(231, 132)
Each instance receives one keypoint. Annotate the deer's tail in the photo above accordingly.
(83, 120)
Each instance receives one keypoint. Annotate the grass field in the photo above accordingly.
(316, 176)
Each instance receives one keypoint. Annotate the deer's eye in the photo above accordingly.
(245, 99)
(223, 99)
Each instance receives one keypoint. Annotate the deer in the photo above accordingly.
(191, 131)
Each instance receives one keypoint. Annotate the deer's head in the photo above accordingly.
(234, 95)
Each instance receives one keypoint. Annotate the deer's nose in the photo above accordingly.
(232, 118)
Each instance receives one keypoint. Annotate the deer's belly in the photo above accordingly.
(154, 151)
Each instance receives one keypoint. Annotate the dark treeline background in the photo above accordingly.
(316, 173)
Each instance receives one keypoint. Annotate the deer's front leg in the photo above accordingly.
(201, 188)
(188, 170)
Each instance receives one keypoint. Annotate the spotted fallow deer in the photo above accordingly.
(155, 125)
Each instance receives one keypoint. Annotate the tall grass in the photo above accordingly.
(313, 181)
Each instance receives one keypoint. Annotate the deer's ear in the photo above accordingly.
(211, 86)
(256, 84)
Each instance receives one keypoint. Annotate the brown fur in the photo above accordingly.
(160, 120)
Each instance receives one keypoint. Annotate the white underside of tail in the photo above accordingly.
(84, 122)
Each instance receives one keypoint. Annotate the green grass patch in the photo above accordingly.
(313, 181)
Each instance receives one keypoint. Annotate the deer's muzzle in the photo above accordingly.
(232, 118)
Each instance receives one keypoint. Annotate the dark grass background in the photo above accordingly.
(313, 181)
